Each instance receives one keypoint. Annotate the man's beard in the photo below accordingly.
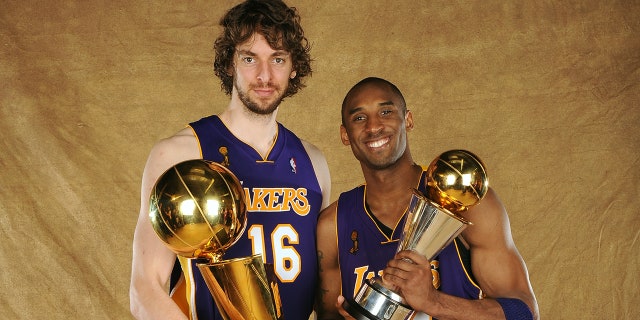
(255, 107)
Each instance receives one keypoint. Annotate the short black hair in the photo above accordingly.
(375, 81)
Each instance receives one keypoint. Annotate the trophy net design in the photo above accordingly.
(197, 209)
(456, 180)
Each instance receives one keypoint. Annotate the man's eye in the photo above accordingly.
(247, 59)
(358, 118)
(388, 113)
(278, 60)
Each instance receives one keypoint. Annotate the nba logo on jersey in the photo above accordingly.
(292, 163)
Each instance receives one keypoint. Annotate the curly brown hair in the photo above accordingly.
(278, 23)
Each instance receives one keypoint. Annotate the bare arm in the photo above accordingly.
(496, 264)
(321, 168)
(152, 260)
(495, 260)
(329, 286)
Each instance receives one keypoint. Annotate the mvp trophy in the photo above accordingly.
(456, 180)
(197, 208)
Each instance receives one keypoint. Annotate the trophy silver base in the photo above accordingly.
(375, 302)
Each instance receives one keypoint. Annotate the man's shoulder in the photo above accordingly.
(358, 190)
(181, 146)
(181, 139)
(352, 195)
(206, 119)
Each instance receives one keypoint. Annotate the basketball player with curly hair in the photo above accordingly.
(262, 57)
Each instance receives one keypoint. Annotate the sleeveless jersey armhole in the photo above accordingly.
(465, 259)
(195, 134)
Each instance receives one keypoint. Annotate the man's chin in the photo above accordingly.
(264, 109)
(379, 165)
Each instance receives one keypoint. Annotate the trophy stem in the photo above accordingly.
(242, 289)
(209, 257)
(226, 307)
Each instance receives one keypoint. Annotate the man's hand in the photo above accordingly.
(410, 275)
(341, 310)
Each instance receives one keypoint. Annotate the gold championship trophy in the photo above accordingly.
(197, 208)
(456, 180)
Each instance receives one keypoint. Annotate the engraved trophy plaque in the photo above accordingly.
(197, 209)
(456, 180)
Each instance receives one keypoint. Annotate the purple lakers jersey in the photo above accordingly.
(283, 199)
(364, 250)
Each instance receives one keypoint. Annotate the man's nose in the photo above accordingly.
(264, 72)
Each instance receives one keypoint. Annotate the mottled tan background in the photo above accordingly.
(547, 93)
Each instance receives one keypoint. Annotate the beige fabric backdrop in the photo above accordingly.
(546, 92)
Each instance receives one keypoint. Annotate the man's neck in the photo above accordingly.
(389, 191)
(258, 131)
(397, 178)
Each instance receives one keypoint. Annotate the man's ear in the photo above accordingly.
(293, 74)
(408, 118)
(344, 136)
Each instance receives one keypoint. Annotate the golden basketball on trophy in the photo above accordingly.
(456, 180)
(197, 209)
